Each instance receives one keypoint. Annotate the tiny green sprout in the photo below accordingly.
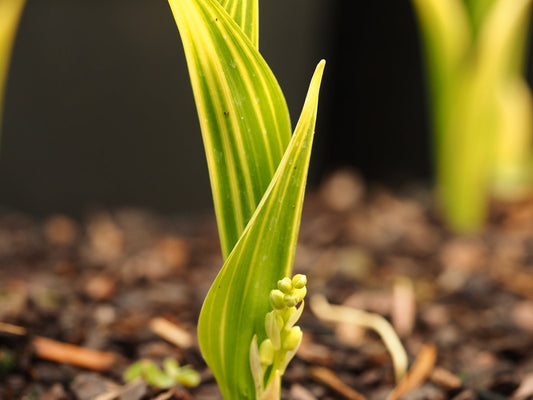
(269, 361)
(171, 374)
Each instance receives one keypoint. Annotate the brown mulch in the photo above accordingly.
(462, 305)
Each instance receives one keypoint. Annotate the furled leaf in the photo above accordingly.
(10, 12)
(235, 308)
(246, 14)
(243, 115)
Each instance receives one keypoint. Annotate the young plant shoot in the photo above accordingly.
(10, 12)
(258, 173)
(482, 106)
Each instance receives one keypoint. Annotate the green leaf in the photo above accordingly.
(235, 308)
(243, 114)
(10, 13)
(246, 14)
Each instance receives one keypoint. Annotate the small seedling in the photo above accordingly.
(171, 374)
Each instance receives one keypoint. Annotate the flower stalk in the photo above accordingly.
(269, 361)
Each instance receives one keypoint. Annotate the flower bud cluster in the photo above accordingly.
(283, 338)
(289, 293)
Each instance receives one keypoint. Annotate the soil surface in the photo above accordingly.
(462, 305)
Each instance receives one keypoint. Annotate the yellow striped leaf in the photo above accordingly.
(246, 14)
(235, 308)
(243, 115)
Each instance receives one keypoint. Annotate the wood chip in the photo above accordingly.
(52, 350)
(522, 315)
(330, 379)
(100, 287)
(165, 395)
(133, 390)
(60, 230)
(421, 369)
(517, 281)
(525, 390)
(12, 329)
(444, 378)
(171, 332)
(403, 311)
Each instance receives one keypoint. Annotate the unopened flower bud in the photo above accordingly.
(300, 293)
(277, 299)
(293, 339)
(299, 281)
(266, 352)
(290, 300)
(285, 285)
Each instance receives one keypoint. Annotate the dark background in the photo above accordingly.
(99, 109)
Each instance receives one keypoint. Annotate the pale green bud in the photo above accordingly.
(277, 299)
(290, 300)
(266, 352)
(299, 281)
(285, 285)
(293, 339)
(300, 293)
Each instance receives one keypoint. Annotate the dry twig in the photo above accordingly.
(53, 350)
(171, 332)
(421, 369)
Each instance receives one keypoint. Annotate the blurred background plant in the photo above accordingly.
(10, 12)
(481, 104)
